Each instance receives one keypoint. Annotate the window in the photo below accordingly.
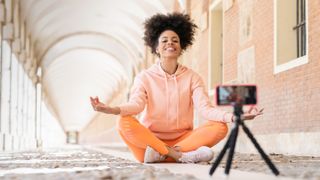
(290, 34)
(300, 27)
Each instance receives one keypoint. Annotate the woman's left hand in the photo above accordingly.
(252, 113)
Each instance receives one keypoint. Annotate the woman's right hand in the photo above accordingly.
(101, 107)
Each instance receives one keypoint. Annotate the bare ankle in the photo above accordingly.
(176, 155)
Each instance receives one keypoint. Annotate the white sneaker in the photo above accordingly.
(202, 154)
(152, 156)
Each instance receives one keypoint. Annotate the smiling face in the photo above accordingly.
(168, 45)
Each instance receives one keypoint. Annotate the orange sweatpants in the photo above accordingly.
(138, 137)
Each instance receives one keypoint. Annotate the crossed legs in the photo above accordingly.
(137, 137)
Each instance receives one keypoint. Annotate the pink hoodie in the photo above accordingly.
(167, 101)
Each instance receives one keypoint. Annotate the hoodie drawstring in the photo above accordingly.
(178, 99)
(167, 95)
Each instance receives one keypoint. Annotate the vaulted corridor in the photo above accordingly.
(56, 54)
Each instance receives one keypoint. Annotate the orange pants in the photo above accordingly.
(138, 137)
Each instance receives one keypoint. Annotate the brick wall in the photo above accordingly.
(290, 98)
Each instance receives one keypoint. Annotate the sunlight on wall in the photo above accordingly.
(51, 132)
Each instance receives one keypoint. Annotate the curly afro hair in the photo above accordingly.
(177, 22)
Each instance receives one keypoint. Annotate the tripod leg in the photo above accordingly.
(221, 154)
(233, 141)
(262, 153)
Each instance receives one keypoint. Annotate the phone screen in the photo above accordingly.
(229, 94)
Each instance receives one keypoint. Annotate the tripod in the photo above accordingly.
(231, 143)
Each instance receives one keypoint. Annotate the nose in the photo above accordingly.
(170, 42)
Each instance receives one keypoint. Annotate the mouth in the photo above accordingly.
(170, 49)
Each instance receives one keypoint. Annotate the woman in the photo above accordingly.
(166, 93)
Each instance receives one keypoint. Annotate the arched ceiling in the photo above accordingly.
(87, 48)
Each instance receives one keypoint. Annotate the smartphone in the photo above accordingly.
(230, 94)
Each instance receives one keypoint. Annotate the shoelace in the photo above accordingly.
(194, 156)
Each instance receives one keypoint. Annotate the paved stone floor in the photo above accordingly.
(77, 163)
